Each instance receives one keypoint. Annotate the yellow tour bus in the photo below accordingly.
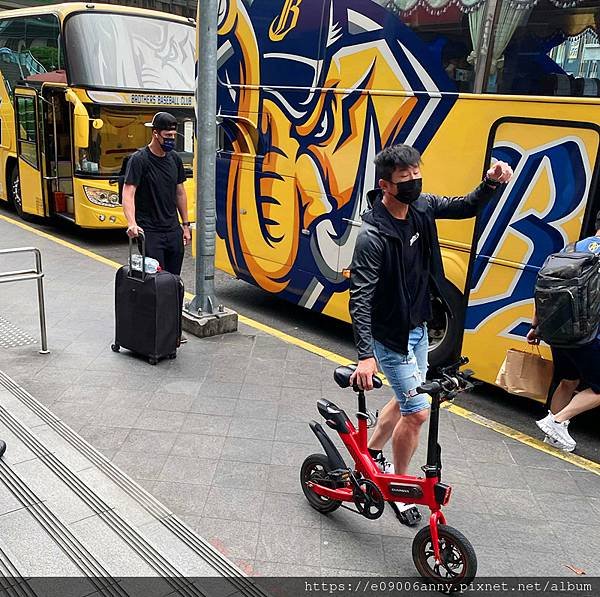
(309, 92)
(78, 83)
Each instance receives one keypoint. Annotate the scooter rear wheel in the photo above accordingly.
(458, 565)
(315, 468)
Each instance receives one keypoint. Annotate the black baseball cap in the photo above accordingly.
(163, 121)
(598, 220)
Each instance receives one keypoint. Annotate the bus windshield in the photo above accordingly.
(120, 51)
(123, 132)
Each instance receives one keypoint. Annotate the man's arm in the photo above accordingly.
(181, 199)
(133, 229)
(365, 268)
(532, 336)
(458, 208)
(133, 178)
(183, 212)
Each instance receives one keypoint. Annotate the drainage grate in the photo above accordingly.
(11, 336)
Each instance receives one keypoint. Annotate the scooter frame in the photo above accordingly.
(428, 490)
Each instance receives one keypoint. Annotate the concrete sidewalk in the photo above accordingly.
(218, 436)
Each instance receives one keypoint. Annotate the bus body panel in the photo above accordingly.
(310, 92)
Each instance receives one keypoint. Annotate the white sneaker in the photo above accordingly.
(551, 442)
(388, 468)
(385, 466)
(557, 431)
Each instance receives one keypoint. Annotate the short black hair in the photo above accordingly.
(597, 221)
(395, 157)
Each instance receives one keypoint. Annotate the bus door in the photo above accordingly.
(29, 152)
(548, 204)
(58, 151)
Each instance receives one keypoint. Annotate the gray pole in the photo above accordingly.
(206, 109)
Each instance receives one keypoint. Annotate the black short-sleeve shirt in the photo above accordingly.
(156, 179)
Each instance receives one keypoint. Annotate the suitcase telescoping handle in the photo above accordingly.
(141, 242)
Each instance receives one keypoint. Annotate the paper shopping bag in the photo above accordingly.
(525, 374)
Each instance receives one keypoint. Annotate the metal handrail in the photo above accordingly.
(30, 274)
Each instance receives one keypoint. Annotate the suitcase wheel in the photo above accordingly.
(152, 360)
(115, 347)
(173, 355)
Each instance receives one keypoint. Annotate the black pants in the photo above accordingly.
(579, 362)
(166, 248)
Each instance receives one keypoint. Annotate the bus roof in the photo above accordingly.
(64, 9)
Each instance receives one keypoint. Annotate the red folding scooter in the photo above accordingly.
(440, 552)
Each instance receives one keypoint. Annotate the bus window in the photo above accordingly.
(549, 49)
(449, 33)
(30, 50)
(123, 132)
(27, 130)
(127, 51)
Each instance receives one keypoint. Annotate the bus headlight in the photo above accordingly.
(101, 197)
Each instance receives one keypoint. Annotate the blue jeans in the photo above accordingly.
(406, 372)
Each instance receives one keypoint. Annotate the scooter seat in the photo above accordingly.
(342, 377)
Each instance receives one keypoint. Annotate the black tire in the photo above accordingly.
(459, 562)
(115, 347)
(173, 355)
(444, 331)
(315, 468)
(152, 361)
(14, 192)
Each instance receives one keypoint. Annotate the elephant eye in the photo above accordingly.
(323, 127)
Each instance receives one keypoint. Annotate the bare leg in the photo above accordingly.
(563, 395)
(405, 439)
(386, 423)
(581, 402)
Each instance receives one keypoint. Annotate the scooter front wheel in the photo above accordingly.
(458, 563)
(316, 468)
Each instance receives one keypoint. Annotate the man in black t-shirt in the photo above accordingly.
(153, 193)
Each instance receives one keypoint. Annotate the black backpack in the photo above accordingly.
(567, 298)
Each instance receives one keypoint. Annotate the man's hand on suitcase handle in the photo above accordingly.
(134, 231)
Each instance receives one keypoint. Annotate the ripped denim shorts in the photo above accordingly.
(406, 372)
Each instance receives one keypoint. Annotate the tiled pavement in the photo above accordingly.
(218, 436)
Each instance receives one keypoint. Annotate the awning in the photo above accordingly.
(440, 6)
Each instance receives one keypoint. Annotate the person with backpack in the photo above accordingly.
(153, 193)
(567, 317)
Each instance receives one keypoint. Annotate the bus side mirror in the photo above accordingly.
(81, 126)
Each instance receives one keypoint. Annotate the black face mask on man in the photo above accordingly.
(408, 191)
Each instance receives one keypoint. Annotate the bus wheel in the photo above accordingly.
(14, 190)
(444, 331)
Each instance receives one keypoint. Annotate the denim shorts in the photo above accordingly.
(406, 372)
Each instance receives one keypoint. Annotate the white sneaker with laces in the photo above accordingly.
(557, 431)
(385, 466)
(551, 442)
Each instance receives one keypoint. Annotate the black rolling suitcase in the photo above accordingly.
(147, 310)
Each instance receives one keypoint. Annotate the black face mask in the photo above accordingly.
(408, 191)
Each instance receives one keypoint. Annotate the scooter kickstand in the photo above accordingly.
(407, 514)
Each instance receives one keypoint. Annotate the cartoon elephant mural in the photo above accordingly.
(309, 92)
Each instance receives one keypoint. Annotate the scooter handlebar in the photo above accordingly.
(450, 382)
(432, 387)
